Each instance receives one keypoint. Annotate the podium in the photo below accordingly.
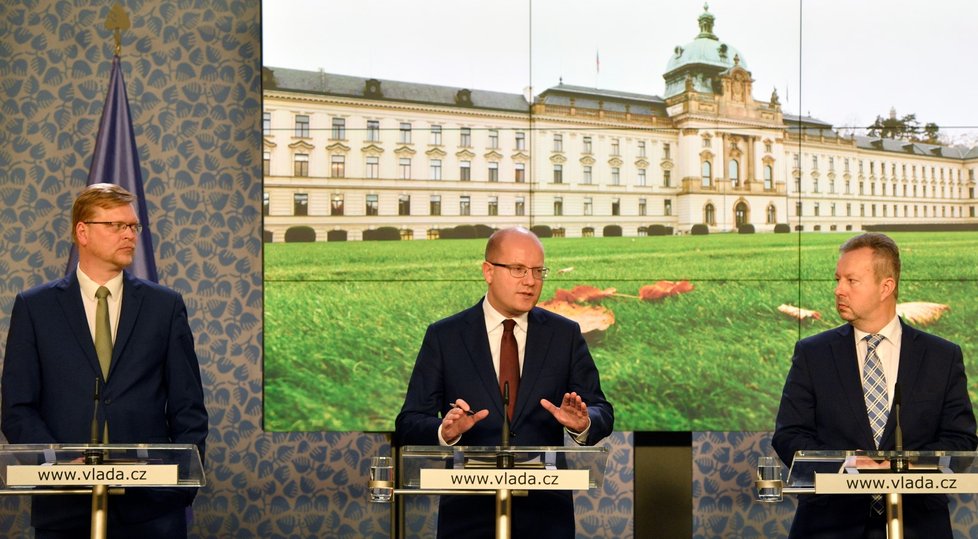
(97, 471)
(888, 473)
(494, 471)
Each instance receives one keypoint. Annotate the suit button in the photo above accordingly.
(108, 402)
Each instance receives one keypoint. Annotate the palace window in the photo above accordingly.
(337, 166)
(300, 167)
(300, 204)
(339, 129)
(302, 125)
(373, 167)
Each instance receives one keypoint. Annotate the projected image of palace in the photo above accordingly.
(348, 158)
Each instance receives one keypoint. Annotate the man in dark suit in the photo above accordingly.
(142, 356)
(458, 371)
(824, 405)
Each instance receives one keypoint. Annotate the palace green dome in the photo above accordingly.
(700, 58)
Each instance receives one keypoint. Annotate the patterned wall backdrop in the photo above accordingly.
(192, 69)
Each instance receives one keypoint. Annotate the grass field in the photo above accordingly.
(343, 321)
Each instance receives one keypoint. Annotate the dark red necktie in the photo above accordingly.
(509, 364)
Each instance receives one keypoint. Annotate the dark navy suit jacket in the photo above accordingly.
(822, 407)
(455, 362)
(153, 393)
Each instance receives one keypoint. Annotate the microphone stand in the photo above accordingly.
(504, 459)
(898, 464)
(100, 493)
(94, 456)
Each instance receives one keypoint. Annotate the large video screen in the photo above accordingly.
(690, 169)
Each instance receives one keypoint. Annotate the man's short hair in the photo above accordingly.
(886, 254)
(98, 195)
(496, 239)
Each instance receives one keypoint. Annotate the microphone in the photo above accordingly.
(898, 464)
(94, 456)
(505, 459)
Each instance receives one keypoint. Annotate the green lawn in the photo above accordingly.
(343, 321)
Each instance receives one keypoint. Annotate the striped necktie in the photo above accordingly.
(874, 388)
(874, 393)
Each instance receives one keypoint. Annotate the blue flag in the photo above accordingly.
(116, 160)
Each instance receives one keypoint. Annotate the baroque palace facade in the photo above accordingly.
(348, 158)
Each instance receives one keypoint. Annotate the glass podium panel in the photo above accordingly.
(414, 459)
(28, 467)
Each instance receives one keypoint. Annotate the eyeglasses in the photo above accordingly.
(117, 226)
(518, 271)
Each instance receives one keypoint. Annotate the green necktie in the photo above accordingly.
(103, 332)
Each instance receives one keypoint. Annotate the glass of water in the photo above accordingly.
(769, 479)
(381, 485)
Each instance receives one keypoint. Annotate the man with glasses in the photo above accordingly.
(100, 327)
(455, 392)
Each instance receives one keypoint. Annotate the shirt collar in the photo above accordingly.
(891, 331)
(88, 286)
(494, 319)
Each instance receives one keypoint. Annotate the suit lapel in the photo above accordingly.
(538, 336)
(477, 345)
(74, 310)
(132, 299)
(911, 360)
(850, 380)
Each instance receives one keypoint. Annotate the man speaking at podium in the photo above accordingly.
(840, 390)
(455, 392)
(102, 327)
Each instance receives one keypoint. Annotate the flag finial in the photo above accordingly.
(117, 21)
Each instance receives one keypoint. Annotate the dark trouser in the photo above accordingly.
(172, 525)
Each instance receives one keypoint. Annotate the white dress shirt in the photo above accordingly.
(88, 289)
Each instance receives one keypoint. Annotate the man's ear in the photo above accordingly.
(888, 287)
(487, 271)
(81, 233)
